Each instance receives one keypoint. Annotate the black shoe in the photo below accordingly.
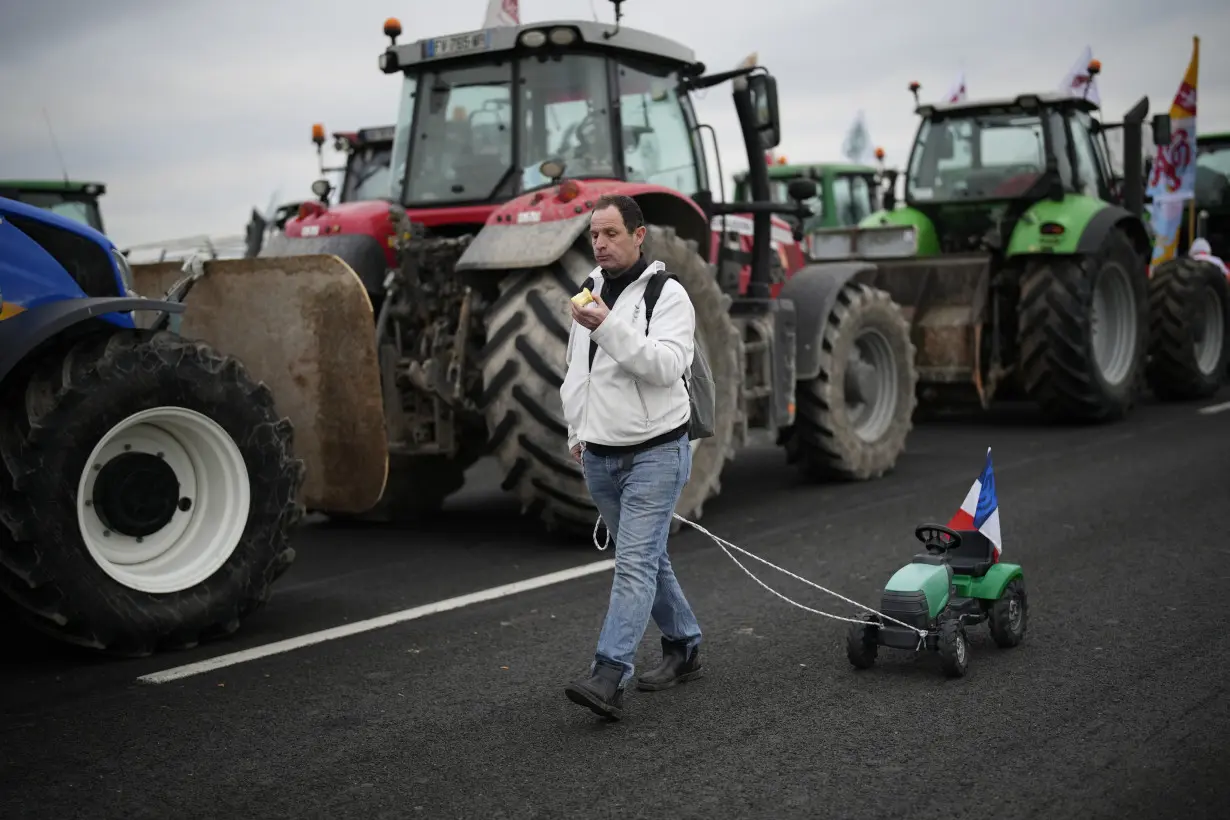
(677, 666)
(600, 691)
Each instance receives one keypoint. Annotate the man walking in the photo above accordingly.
(627, 411)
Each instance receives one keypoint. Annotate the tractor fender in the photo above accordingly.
(991, 586)
(528, 245)
(362, 252)
(1083, 224)
(22, 333)
(1108, 219)
(813, 290)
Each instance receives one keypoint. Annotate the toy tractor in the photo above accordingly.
(1021, 261)
(505, 139)
(957, 583)
(147, 482)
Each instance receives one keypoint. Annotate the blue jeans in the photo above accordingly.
(636, 496)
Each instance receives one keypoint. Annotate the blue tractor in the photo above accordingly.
(147, 483)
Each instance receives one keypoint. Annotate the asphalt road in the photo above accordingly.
(1117, 705)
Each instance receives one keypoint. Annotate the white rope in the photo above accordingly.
(723, 544)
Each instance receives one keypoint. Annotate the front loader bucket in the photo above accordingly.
(944, 299)
(303, 325)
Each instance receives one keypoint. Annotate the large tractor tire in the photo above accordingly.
(853, 419)
(523, 368)
(1083, 324)
(147, 494)
(1189, 311)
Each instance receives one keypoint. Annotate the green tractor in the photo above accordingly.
(1021, 259)
(76, 200)
(845, 194)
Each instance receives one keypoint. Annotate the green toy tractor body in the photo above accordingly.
(958, 582)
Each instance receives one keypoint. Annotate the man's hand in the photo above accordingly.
(576, 452)
(592, 315)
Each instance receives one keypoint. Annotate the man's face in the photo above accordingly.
(614, 248)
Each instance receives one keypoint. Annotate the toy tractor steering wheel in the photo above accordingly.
(930, 534)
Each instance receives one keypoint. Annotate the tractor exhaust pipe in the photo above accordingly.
(1133, 158)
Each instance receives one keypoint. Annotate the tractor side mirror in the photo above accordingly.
(801, 188)
(1161, 129)
(763, 90)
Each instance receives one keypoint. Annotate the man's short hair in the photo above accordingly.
(627, 207)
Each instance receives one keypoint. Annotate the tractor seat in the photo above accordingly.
(975, 555)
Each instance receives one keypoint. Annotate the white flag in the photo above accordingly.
(1078, 79)
(502, 13)
(957, 92)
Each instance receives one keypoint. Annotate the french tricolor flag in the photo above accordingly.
(980, 509)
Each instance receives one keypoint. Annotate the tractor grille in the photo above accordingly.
(908, 607)
(87, 262)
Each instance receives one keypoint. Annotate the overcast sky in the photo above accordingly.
(194, 112)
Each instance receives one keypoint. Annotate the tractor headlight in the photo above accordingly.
(125, 270)
(830, 244)
(887, 241)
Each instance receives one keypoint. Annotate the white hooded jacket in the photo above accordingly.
(635, 389)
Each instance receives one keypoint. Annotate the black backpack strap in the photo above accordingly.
(653, 290)
(593, 346)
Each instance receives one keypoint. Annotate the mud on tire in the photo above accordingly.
(1189, 313)
(1058, 360)
(523, 368)
(830, 439)
(50, 424)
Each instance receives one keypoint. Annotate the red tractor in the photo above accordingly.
(504, 140)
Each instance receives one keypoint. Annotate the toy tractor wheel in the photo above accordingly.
(149, 494)
(523, 367)
(1189, 311)
(1082, 332)
(862, 644)
(854, 418)
(953, 646)
(1009, 616)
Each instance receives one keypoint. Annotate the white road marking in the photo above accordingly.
(1215, 408)
(347, 630)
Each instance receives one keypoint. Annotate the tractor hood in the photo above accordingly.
(316, 219)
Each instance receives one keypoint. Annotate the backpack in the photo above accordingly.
(698, 379)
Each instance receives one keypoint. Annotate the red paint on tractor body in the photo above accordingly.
(567, 200)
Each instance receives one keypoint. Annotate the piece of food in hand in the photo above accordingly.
(583, 298)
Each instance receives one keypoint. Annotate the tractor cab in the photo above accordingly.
(976, 167)
(76, 200)
(845, 194)
(481, 112)
(1212, 194)
(365, 174)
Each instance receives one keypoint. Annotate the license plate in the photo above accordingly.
(456, 44)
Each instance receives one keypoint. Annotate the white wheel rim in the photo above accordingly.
(871, 385)
(196, 541)
(1210, 333)
(1113, 320)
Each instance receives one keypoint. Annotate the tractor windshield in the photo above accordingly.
(1213, 175)
(367, 173)
(79, 208)
(976, 156)
(469, 138)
